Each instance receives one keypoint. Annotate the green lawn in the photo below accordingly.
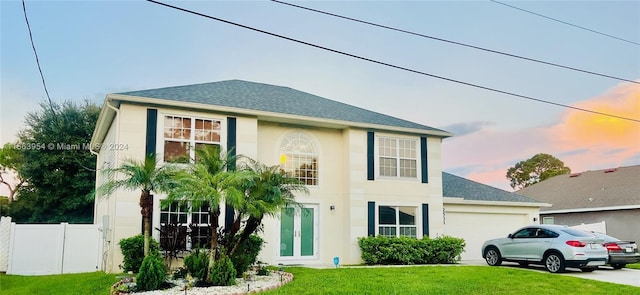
(68, 284)
(441, 280)
(634, 266)
(381, 280)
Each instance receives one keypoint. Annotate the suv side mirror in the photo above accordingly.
(510, 236)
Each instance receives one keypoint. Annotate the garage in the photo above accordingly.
(477, 212)
(475, 228)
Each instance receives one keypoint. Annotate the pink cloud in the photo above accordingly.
(583, 141)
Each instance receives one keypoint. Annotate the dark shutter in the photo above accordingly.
(150, 146)
(371, 216)
(229, 212)
(423, 159)
(152, 128)
(370, 155)
(425, 220)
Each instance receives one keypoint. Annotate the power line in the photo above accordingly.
(24, 9)
(388, 64)
(455, 42)
(566, 23)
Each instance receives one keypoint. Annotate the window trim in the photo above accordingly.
(314, 145)
(160, 138)
(417, 218)
(418, 159)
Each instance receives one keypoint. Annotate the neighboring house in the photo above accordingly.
(610, 195)
(368, 173)
(477, 212)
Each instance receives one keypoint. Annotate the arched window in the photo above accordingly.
(299, 158)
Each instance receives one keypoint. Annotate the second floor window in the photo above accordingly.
(184, 134)
(397, 157)
(298, 158)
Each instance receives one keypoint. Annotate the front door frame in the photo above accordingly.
(316, 218)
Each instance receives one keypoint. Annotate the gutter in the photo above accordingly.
(594, 209)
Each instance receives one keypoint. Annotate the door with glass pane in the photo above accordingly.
(298, 231)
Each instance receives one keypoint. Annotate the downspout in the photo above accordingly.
(106, 243)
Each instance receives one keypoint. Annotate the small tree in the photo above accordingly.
(534, 170)
(267, 190)
(207, 181)
(146, 176)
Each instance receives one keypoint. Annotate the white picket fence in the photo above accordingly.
(42, 249)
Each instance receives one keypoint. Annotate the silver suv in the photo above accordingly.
(554, 246)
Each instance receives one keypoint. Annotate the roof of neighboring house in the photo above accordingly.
(591, 189)
(458, 187)
(274, 99)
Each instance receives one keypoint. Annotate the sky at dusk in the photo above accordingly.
(90, 48)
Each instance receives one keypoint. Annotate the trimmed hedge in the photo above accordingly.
(133, 251)
(406, 250)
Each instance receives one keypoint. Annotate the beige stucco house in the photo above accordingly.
(367, 173)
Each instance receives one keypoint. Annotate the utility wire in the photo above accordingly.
(24, 9)
(455, 42)
(390, 65)
(566, 23)
(35, 53)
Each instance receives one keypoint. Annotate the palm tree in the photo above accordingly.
(207, 181)
(146, 176)
(267, 190)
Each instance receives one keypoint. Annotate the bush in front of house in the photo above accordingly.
(247, 254)
(223, 273)
(197, 263)
(406, 250)
(133, 251)
(152, 273)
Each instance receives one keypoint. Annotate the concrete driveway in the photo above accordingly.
(625, 276)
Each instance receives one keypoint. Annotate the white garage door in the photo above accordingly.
(476, 228)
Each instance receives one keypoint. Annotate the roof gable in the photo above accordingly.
(275, 99)
(458, 187)
(590, 189)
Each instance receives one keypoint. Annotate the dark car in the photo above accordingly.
(621, 253)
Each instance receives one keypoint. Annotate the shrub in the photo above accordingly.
(152, 273)
(405, 250)
(197, 263)
(223, 273)
(133, 251)
(247, 254)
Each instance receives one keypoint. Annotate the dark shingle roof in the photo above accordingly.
(591, 189)
(272, 98)
(458, 187)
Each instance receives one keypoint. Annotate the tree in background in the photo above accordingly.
(536, 169)
(57, 168)
(10, 159)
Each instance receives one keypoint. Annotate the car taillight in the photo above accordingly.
(612, 246)
(576, 243)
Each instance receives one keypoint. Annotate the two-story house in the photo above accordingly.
(368, 173)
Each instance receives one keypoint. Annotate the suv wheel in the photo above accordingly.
(493, 257)
(554, 262)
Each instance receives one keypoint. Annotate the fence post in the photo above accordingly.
(5, 236)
